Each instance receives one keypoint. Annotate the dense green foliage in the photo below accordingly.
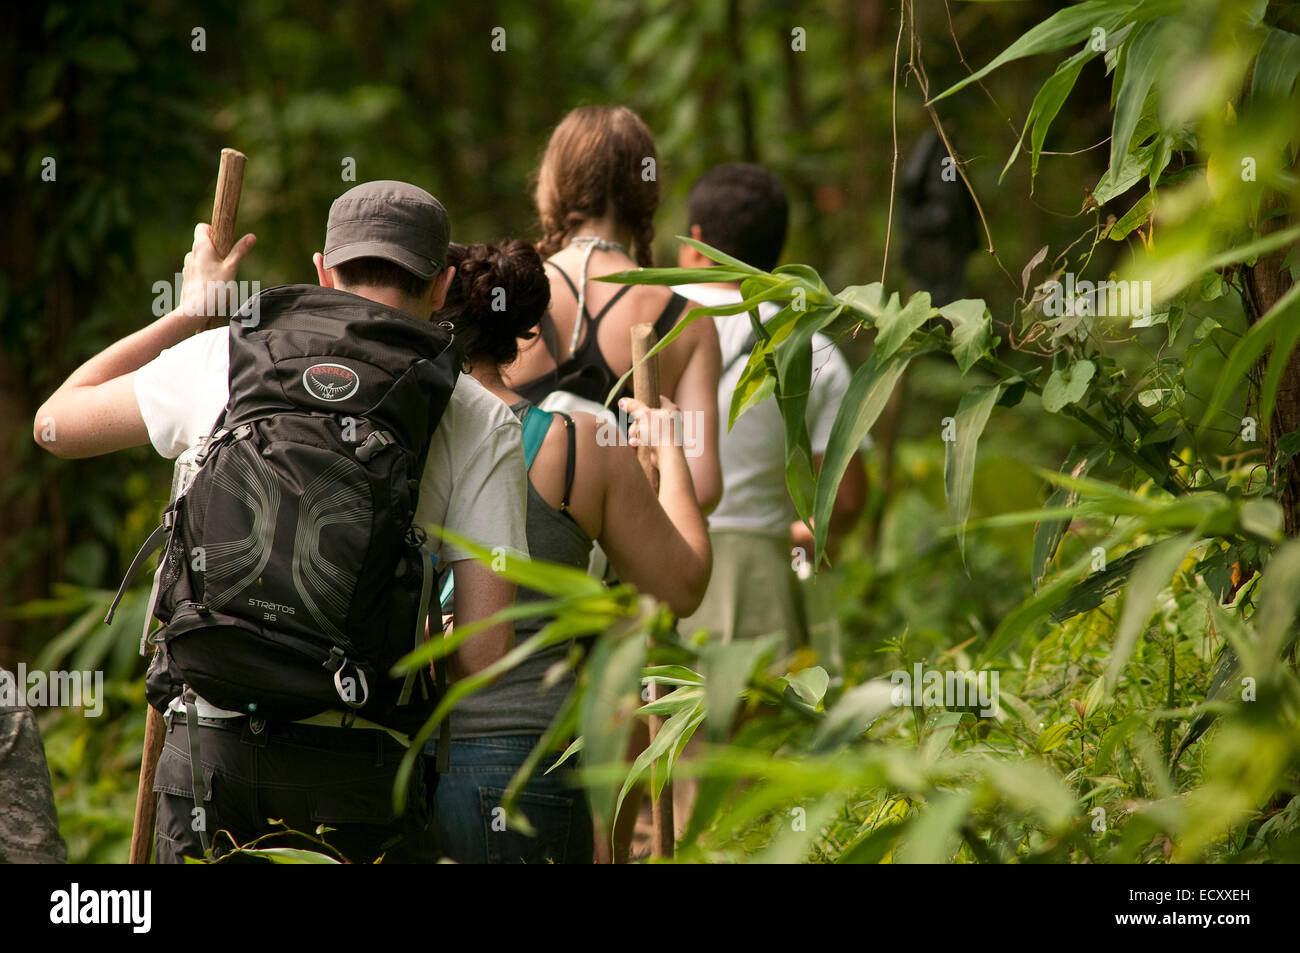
(1073, 501)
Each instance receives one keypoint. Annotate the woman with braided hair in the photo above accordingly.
(597, 192)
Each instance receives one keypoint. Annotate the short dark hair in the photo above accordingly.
(741, 209)
(381, 273)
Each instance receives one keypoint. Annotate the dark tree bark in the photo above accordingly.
(1265, 283)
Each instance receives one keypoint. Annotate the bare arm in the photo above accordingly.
(95, 411)
(697, 395)
(661, 545)
(481, 593)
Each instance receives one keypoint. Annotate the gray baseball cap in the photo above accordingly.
(395, 221)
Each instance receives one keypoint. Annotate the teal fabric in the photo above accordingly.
(537, 423)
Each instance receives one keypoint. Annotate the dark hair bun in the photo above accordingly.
(499, 294)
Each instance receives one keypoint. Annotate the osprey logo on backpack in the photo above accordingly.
(332, 382)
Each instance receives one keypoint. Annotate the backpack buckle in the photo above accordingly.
(373, 444)
(336, 659)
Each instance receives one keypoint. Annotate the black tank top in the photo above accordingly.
(586, 372)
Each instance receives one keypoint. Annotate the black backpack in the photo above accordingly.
(292, 577)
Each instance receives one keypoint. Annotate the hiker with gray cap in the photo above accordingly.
(334, 434)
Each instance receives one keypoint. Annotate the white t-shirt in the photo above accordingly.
(474, 481)
(751, 454)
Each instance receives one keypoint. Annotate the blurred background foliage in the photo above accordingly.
(831, 96)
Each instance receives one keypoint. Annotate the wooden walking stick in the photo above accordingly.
(225, 205)
(645, 387)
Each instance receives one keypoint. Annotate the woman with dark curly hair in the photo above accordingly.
(580, 490)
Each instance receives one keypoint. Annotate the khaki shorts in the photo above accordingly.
(753, 590)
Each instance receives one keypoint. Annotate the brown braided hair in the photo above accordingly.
(594, 163)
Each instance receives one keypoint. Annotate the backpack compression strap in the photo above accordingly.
(427, 574)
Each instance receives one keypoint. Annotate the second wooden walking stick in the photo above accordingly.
(645, 387)
(225, 205)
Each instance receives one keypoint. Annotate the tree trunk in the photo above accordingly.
(1266, 282)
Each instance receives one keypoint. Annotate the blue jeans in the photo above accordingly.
(468, 798)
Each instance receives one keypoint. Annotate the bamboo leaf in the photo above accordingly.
(1143, 61)
(1047, 103)
(1049, 532)
(935, 834)
(1151, 575)
(868, 390)
(1277, 65)
(959, 454)
(1249, 349)
(1056, 32)
(726, 669)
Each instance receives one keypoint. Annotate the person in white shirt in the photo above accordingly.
(741, 209)
(166, 385)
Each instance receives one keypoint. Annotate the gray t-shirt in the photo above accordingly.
(520, 702)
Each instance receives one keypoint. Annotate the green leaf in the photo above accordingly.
(1067, 385)
(1263, 518)
(1055, 736)
(810, 684)
(1049, 532)
(959, 454)
(607, 713)
(1149, 578)
(972, 335)
(1143, 60)
(941, 725)
(719, 256)
(1047, 103)
(1277, 601)
(1277, 65)
(1029, 786)
(855, 712)
(1118, 179)
(935, 834)
(868, 300)
(288, 855)
(726, 669)
(896, 324)
(1064, 27)
(1098, 586)
(869, 389)
(1249, 349)
(668, 736)
(1134, 217)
